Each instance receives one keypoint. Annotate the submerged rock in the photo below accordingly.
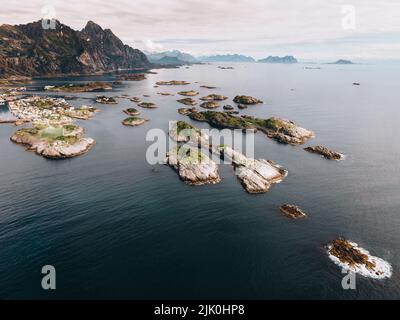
(214, 97)
(292, 211)
(147, 105)
(172, 83)
(246, 100)
(325, 152)
(242, 106)
(106, 100)
(351, 257)
(134, 121)
(208, 87)
(210, 105)
(192, 166)
(228, 107)
(132, 112)
(188, 101)
(54, 142)
(256, 176)
(190, 93)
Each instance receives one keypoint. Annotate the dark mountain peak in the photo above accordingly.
(32, 50)
(92, 26)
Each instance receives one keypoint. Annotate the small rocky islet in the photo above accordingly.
(106, 100)
(246, 100)
(190, 93)
(187, 111)
(131, 112)
(134, 121)
(172, 83)
(188, 101)
(349, 256)
(132, 77)
(147, 105)
(214, 97)
(210, 105)
(292, 211)
(324, 152)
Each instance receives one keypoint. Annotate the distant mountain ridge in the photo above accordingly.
(226, 58)
(30, 50)
(171, 57)
(276, 59)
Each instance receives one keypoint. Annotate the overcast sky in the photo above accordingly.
(308, 29)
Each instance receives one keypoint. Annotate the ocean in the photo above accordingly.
(116, 227)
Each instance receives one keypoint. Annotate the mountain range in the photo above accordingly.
(171, 57)
(31, 50)
(226, 58)
(274, 59)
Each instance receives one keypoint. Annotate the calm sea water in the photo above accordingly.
(117, 227)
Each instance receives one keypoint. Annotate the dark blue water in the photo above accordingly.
(116, 227)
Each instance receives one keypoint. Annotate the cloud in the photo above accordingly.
(255, 27)
(153, 46)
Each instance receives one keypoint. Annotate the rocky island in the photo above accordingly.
(190, 93)
(188, 101)
(246, 100)
(349, 256)
(281, 130)
(132, 112)
(193, 166)
(135, 99)
(256, 176)
(147, 105)
(292, 211)
(76, 88)
(214, 97)
(54, 141)
(172, 83)
(48, 110)
(210, 105)
(134, 121)
(325, 152)
(187, 111)
(106, 100)
(132, 77)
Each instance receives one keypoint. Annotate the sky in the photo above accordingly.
(308, 29)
